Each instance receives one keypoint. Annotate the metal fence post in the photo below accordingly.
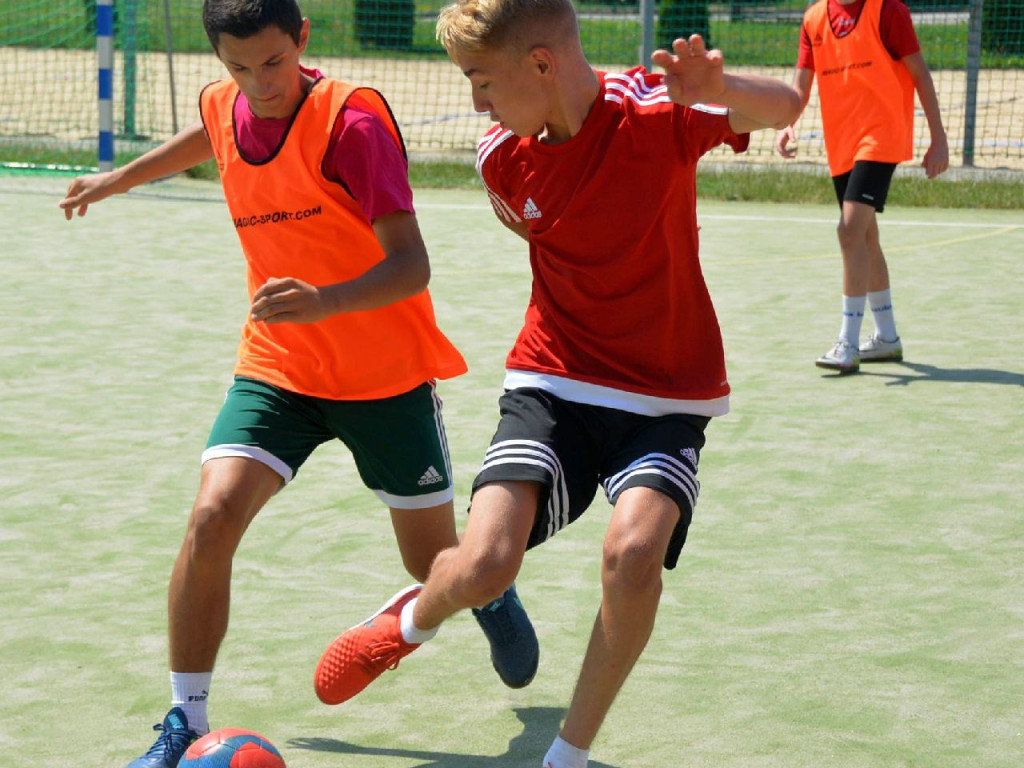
(130, 40)
(973, 65)
(105, 77)
(169, 45)
(647, 35)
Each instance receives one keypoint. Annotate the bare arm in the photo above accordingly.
(186, 149)
(404, 272)
(936, 159)
(521, 228)
(802, 82)
(694, 75)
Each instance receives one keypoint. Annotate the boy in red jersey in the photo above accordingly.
(340, 341)
(869, 63)
(619, 365)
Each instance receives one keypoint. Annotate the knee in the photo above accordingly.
(631, 565)
(214, 529)
(853, 238)
(846, 235)
(485, 575)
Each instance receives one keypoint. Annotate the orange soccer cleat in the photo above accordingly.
(361, 654)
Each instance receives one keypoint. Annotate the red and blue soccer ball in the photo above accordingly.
(232, 748)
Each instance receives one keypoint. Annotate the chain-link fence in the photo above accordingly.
(48, 75)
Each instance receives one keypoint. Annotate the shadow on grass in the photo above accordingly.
(923, 372)
(540, 724)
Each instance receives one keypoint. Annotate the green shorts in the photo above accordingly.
(398, 443)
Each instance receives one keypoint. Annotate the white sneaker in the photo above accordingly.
(843, 357)
(876, 350)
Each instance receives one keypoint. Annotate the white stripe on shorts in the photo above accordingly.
(439, 421)
(229, 450)
(423, 501)
(669, 467)
(536, 454)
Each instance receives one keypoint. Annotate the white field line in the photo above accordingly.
(882, 220)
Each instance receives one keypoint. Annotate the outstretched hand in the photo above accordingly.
(288, 300)
(693, 74)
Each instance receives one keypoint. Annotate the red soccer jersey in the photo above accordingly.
(619, 314)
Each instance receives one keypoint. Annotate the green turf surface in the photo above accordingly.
(851, 594)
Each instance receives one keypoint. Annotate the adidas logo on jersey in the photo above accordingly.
(530, 210)
(430, 477)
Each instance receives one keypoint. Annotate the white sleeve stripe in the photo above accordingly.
(484, 149)
(636, 88)
(640, 93)
(502, 208)
(711, 109)
(488, 145)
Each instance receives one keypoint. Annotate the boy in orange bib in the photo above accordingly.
(340, 341)
(868, 62)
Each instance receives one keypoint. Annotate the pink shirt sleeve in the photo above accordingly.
(364, 157)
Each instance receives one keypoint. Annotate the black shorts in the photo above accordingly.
(868, 182)
(571, 448)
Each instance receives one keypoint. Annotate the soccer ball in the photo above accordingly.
(232, 748)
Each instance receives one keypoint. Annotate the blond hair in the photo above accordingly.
(474, 26)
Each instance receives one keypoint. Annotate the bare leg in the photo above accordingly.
(856, 221)
(634, 554)
(231, 492)
(878, 279)
(421, 534)
(487, 559)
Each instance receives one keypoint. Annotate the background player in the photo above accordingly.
(869, 63)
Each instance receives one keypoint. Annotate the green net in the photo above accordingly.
(49, 113)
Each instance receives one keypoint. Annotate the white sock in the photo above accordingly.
(853, 316)
(189, 691)
(564, 755)
(881, 311)
(410, 632)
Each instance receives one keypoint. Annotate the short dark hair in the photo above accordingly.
(245, 18)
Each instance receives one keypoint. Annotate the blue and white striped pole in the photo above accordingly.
(105, 62)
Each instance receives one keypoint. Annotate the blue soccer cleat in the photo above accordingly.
(515, 652)
(170, 746)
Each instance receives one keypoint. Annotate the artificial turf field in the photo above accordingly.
(852, 594)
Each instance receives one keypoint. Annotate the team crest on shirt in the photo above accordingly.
(530, 209)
